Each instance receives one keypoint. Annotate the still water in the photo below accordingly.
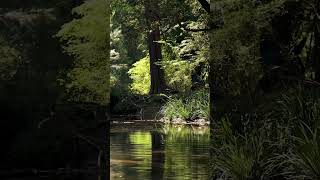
(148, 151)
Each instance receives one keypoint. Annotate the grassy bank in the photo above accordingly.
(185, 108)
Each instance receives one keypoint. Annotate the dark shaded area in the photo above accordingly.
(39, 129)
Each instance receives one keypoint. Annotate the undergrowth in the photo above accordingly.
(187, 107)
(282, 143)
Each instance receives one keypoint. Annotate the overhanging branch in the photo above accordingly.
(193, 30)
(212, 27)
(205, 5)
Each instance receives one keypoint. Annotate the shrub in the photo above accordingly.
(187, 107)
(140, 75)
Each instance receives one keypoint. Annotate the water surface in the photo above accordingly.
(154, 151)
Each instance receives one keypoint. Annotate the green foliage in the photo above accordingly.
(9, 60)
(188, 107)
(240, 156)
(301, 105)
(87, 40)
(140, 75)
(281, 142)
(303, 161)
(178, 74)
(299, 112)
(182, 50)
(176, 108)
(180, 61)
(127, 42)
(234, 53)
(236, 161)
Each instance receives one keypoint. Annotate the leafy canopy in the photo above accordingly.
(87, 40)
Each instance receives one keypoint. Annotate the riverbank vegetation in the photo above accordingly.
(168, 33)
(249, 68)
(259, 62)
(264, 90)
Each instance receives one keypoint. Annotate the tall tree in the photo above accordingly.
(153, 23)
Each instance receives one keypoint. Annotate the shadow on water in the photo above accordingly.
(154, 151)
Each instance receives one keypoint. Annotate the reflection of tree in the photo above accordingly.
(158, 157)
(186, 152)
(130, 155)
(140, 154)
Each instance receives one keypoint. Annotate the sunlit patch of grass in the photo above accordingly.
(188, 107)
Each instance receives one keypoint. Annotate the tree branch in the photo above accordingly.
(205, 5)
(193, 30)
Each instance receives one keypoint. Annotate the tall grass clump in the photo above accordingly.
(176, 108)
(303, 162)
(301, 112)
(281, 142)
(187, 107)
(239, 156)
(199, 103)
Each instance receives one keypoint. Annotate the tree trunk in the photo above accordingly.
(153, 20)
(316, 49)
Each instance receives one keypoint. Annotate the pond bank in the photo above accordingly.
(177, 121)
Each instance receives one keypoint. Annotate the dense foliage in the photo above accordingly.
(86, 38)
(9, 60)
(188, 107)
(262, 86)
(38, 79)
(140, 75)
(184, 52)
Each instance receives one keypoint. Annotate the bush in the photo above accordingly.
(140, 75)
(187, 107)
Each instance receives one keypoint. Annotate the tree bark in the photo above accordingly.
(153, 20)
(205, 5)
(316, 49)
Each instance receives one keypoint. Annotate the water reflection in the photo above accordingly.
(165, 152)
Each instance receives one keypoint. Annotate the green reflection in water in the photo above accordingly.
(166, 152)
(142, 149)
(186, 152)
(141, 138)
